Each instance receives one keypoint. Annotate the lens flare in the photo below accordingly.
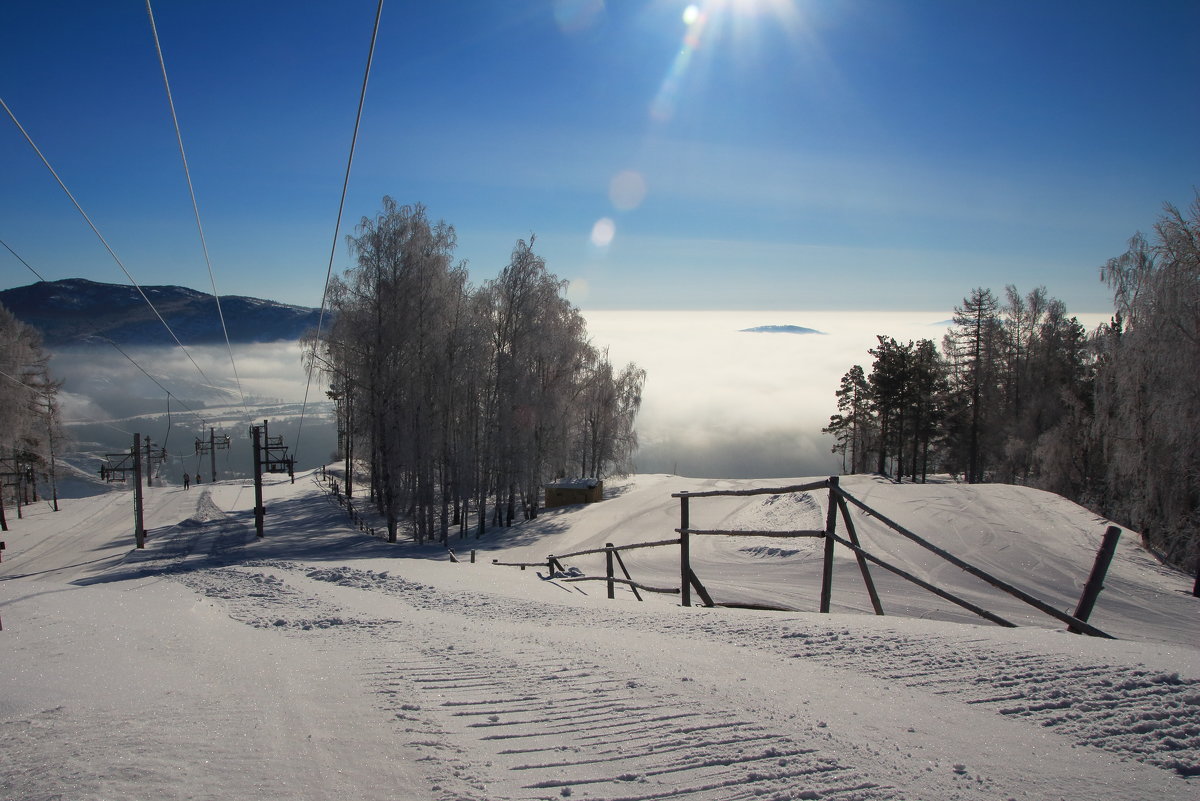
(710, 24)
(662, 108)
(603, 232)
(627, 190)
(574, 16)
(578, 289)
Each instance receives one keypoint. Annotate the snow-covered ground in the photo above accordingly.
(320, 663)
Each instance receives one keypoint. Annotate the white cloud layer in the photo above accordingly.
(718, 402)
(723, 403)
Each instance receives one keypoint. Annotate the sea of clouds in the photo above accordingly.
(719, 402)
(723, 403)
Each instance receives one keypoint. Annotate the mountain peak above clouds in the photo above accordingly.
(74, 310)
(780, 329)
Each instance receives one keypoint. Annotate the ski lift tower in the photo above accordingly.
(211, 447)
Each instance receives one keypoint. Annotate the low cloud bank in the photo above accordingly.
(725, 401)
(722, 401)
(100, 382)
(105, 397)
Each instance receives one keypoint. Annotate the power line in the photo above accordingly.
(195, 206)
(103, 241)
(337, 226)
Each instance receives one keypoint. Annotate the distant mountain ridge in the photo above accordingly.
(74, 310)
(780, 329)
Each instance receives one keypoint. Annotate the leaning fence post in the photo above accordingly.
(617, 554)
(608, 568)
(830, 528)
(1095, 582)
(685, 558)
(862, 560)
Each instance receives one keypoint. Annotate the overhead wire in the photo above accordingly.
(36, 391)
(18, 258)
(103, 241)
(96, 333)
(195, 206)
(341, 206)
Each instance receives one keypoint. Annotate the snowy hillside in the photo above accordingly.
(75, 311)
(320, 663)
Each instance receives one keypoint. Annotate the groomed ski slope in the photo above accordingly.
(320, 663)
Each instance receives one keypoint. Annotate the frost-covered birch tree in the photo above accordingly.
(30, 424)
(1147, 403)
(455, 396)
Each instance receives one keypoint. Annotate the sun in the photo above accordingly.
(710, 23)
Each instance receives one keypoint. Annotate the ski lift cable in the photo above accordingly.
(100, 236)
(18, 258)
(195, 206)
(96, 333)
(132, 361)
(36, 391)
(167, 436)
(337, 225)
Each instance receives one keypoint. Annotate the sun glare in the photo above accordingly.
(712, 21)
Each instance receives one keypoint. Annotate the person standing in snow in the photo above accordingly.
(185, 481)
(197, 478)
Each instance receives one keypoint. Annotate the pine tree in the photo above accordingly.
(973, 346)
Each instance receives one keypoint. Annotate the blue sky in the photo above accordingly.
(758, 155)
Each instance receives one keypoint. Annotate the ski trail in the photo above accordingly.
(529, 720)
(499, 709)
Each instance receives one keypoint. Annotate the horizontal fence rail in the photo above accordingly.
(608, 548)
(521, 565)
(647, 588)
(747, 533)
(816, 485)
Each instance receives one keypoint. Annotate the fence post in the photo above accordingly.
(862, 560)
(830, 527)
(625, 570)
(1095, 582)
(472, 556)
(685, 557)
(608, 568)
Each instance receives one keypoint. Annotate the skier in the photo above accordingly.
(185, 481)
(197, 478)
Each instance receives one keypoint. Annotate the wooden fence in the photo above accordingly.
(345, 501)
(838, 504)
(612, 558)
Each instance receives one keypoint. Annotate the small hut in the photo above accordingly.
(566, 492)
